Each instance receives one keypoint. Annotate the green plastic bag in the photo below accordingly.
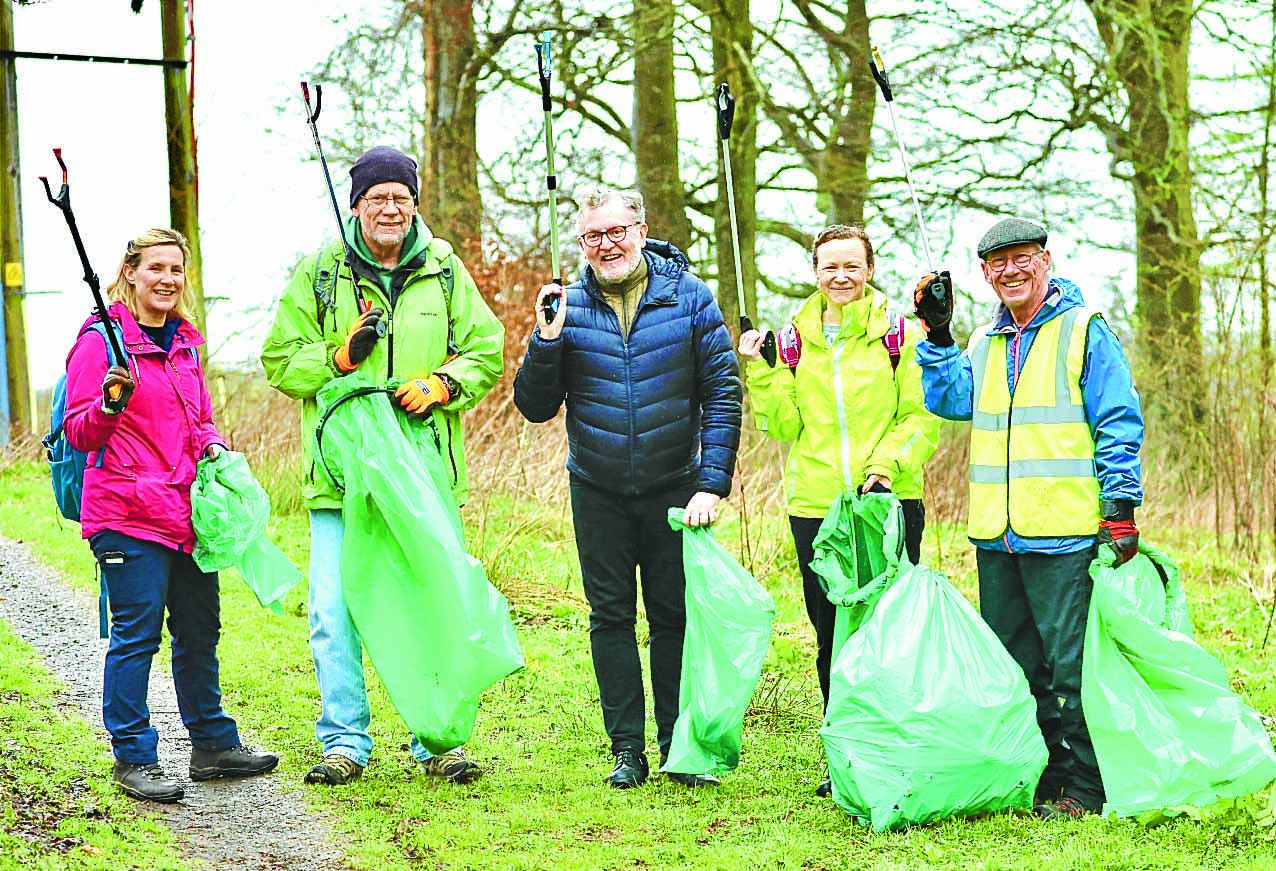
(437, 632)
(229, 512)
(1168, 731)
(928, 716)
(729, 618)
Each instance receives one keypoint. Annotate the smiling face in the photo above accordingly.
(158, 281)
(612, 261)
(384, 227)
(1020, 276)
(842, 269)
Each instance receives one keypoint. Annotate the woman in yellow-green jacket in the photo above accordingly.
(847, 390)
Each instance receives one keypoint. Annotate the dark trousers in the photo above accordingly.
(822, 612)
(142, 580)
(1037, 605)
(621, 538)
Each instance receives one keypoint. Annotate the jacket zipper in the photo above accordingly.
(838, 389)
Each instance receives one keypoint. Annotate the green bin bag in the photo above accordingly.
(729, 617)
(928, 716)
(1168, 731)
(437, 632)
(229, 512)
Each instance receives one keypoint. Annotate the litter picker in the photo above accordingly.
(312, 116)
(726, 114)
(63, 202)
(544, 69)
(936, 305)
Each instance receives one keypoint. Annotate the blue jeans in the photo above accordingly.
(142, 579)
(343, 721)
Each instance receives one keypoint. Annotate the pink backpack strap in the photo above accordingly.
(788, 345)
(894, 338)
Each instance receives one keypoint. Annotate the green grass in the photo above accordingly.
(543, 803)
(58, 809)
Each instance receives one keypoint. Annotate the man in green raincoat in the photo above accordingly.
(426, 326)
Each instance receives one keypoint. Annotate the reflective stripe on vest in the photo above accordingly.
(1032, 455)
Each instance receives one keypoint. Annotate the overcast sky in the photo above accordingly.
(261, 202)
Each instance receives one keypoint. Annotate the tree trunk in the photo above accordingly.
(655, 128)
(450, 202)
(843, 175)
(732, 35)
(1147, 45)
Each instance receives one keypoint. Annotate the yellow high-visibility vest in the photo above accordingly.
(1032, 456)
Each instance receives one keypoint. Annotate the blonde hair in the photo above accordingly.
(121, 290)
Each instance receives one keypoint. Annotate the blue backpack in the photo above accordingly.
(66, 464)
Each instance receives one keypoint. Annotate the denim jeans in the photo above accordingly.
(142, 579)
(344, 718)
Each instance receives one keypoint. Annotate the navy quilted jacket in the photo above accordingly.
(656, 411)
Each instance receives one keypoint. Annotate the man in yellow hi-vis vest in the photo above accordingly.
(1056, 429)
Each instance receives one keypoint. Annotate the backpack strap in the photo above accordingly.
(788, 346)
(447, 277)
(894, 338)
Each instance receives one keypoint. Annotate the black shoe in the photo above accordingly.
(688, 780)
(147, 782)
(1067, 808)
(692, 780)
(238, 761)
(630, 770)
(825, 789)
(1049, 790)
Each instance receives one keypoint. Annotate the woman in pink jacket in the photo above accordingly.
(145, 426)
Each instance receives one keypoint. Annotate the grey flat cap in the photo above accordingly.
(1011, 231)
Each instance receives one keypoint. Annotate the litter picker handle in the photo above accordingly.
(63, 202)
(878, 68)
(544, 69)
(726, 111)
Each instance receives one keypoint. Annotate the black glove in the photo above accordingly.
(363, 336)
(117, 389)
(1117, 529)
(933, 305)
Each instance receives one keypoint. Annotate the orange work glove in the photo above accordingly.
(363, 336)
(417, 396)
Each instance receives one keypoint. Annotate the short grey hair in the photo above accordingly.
(596, 196)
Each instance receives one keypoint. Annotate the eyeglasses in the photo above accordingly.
(1021, 261)
(380, 201)
(594, 238)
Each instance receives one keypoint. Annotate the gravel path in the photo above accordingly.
(236, 824)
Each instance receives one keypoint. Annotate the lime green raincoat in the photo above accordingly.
(850, 415)
(298, 354)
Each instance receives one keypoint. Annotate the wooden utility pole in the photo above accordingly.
(183, 202)
(21, 418)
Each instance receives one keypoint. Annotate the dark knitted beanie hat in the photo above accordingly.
(380, 164)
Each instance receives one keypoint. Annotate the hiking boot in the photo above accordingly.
(825, 789)
(452, 767)
(147, 782)
(335, 770)
(1067, 808)
(238, 761)
(630, 770)
(1049, 790)
(690, 781)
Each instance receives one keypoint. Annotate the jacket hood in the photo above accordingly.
(663, 259)
(134, 338)
(417, 240)
(1061, 295)
(868, 317)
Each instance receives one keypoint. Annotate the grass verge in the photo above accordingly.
(543, 803)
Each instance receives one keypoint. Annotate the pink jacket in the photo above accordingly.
(143, 488)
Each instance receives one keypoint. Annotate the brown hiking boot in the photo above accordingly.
(334, 770)
(238, 761)
(452, 767)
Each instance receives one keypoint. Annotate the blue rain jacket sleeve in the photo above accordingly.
(1115, 414)
(948, 385)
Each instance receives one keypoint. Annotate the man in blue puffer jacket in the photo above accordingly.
(639, 353)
